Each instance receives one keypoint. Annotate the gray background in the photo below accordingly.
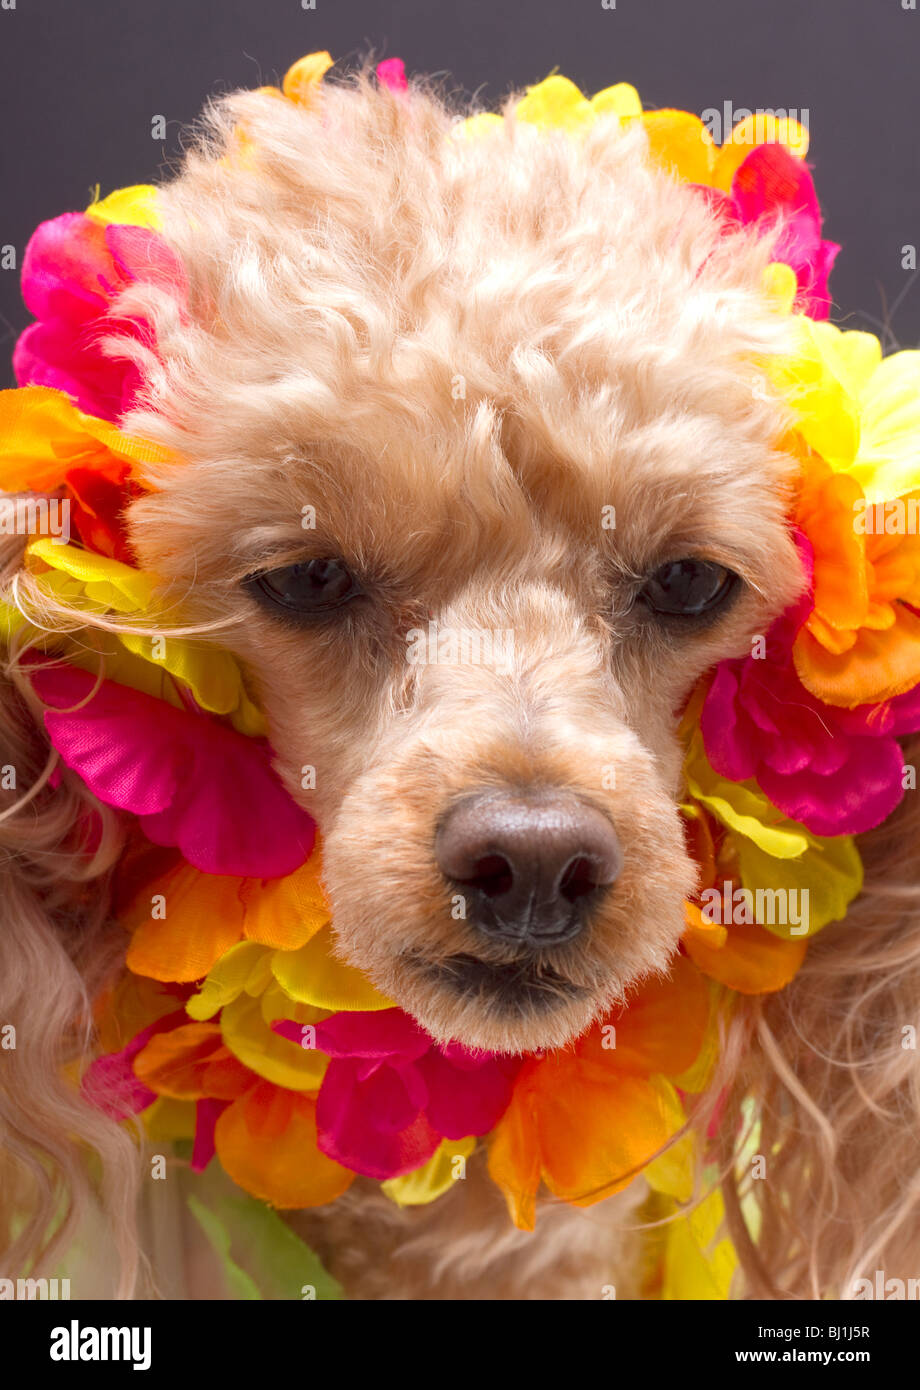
(81, 80)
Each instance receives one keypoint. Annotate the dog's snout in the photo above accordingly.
(530, 867)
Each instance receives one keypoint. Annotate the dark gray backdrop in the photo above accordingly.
(81, 80)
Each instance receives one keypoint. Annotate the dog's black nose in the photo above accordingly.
(529, 866)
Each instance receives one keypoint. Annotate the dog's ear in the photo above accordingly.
(55, 942)
(833, 1063)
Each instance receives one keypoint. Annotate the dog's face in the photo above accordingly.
(482, 475)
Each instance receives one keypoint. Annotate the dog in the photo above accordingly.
(466, 355)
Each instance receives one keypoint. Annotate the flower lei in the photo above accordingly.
(234, 1026)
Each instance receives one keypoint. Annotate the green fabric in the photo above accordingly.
(261, 1257)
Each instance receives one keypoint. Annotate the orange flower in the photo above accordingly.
(206, 914)
(585, 1120)
(267, 1142)
(192, 1063)
(861, 643)
(43, 436)
(265, 1137)
(745, 957)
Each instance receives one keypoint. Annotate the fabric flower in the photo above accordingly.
(838, 772)
(302, 79)
(859, 411)
(193, 782)
(99, 498)
(391, 1094)
(434, 1178)
(556, 103)
(111, 1083)
(677, 140)
(585, 1120)
(267, 1141)
(73, 270)
(860, 643)
(391, 73)
(135, 206)
(205, 915)
(182, 671)
(681, 143)
(768, 850)
(772, 186)
(745, 956)
(264, 1135)
(43, 435)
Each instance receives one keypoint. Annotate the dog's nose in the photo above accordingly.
(529, 866)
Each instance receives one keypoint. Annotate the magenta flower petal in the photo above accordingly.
(141, 254)
(393, 1096)
(858, 797)
(207, 1112)
(772, 179)
(379, 1033)
(773, 186)
(902, 714)
(110, 1084)
(356, 1122)
(67, 272)
(392, 73)
(73, 270)
(194, 783)
(467, 1098)
(726, 747)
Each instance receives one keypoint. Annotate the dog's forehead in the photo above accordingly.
(420, 323)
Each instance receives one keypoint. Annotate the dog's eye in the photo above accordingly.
(314, 587)
(688, 588)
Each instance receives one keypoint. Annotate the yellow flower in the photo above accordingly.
(858, 410)
(96, 584)
(133, 207)
(434, 1178)
(773, 852)
(678, 141)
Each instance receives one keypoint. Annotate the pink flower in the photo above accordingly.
(837, 771)
(110, 1083)
(772, 185)
(392, 73)
(391, 1094)
(73, 269)
(193, 782)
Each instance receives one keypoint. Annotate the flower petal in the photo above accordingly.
(284, 1168)
(313, 975)
(179, 772)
